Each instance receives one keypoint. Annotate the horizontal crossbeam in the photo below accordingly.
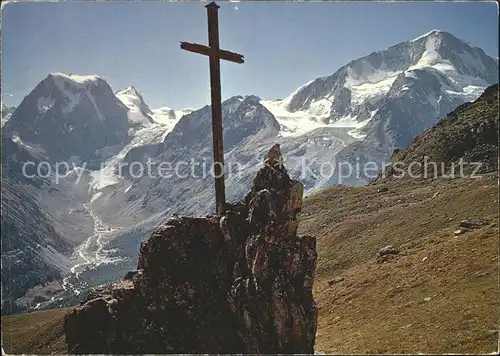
(205, 50)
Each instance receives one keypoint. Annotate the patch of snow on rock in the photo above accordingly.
(45, 104)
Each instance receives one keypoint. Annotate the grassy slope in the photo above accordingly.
(381, 308)
(378, 308)
(34, 333)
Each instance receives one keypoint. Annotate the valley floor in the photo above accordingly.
(440, 294)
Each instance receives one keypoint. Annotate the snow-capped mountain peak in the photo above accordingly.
(70, 115)
(456, 71)
(73, 88)
(139, 111)
(131, 90)
(455, 57)
(430, 33)
(75, 79)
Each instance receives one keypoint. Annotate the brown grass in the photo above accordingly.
(382, 308)
(378, 308)
(34, 333)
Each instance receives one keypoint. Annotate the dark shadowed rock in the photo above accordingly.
(468, 224)
(388, 250)
(331, 282)
(237, 283)
(387, 253)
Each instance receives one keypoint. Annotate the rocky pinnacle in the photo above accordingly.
(236, 283)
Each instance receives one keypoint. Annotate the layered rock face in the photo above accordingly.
(237, 283)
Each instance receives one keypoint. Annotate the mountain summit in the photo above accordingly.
(70, 115)
(390, 96)
(454, 71)
(140, 113)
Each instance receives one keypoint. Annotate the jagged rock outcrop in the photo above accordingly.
(237, 283)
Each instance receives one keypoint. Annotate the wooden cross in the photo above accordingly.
(215, 54)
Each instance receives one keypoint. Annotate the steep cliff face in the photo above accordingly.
(237, 283)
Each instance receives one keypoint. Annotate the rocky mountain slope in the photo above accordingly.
(437, 294)
(32, 253)
(37, 241)
(469, 134)
(6, 113)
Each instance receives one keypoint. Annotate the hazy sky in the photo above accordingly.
(285, 44)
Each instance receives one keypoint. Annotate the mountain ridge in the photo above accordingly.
(368, 123)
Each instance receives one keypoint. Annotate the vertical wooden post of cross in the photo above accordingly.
(217, 129)
(215, 54)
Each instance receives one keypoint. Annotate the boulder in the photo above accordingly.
(387, 254)
(468, 224)
(388, 250)
(236, 283)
